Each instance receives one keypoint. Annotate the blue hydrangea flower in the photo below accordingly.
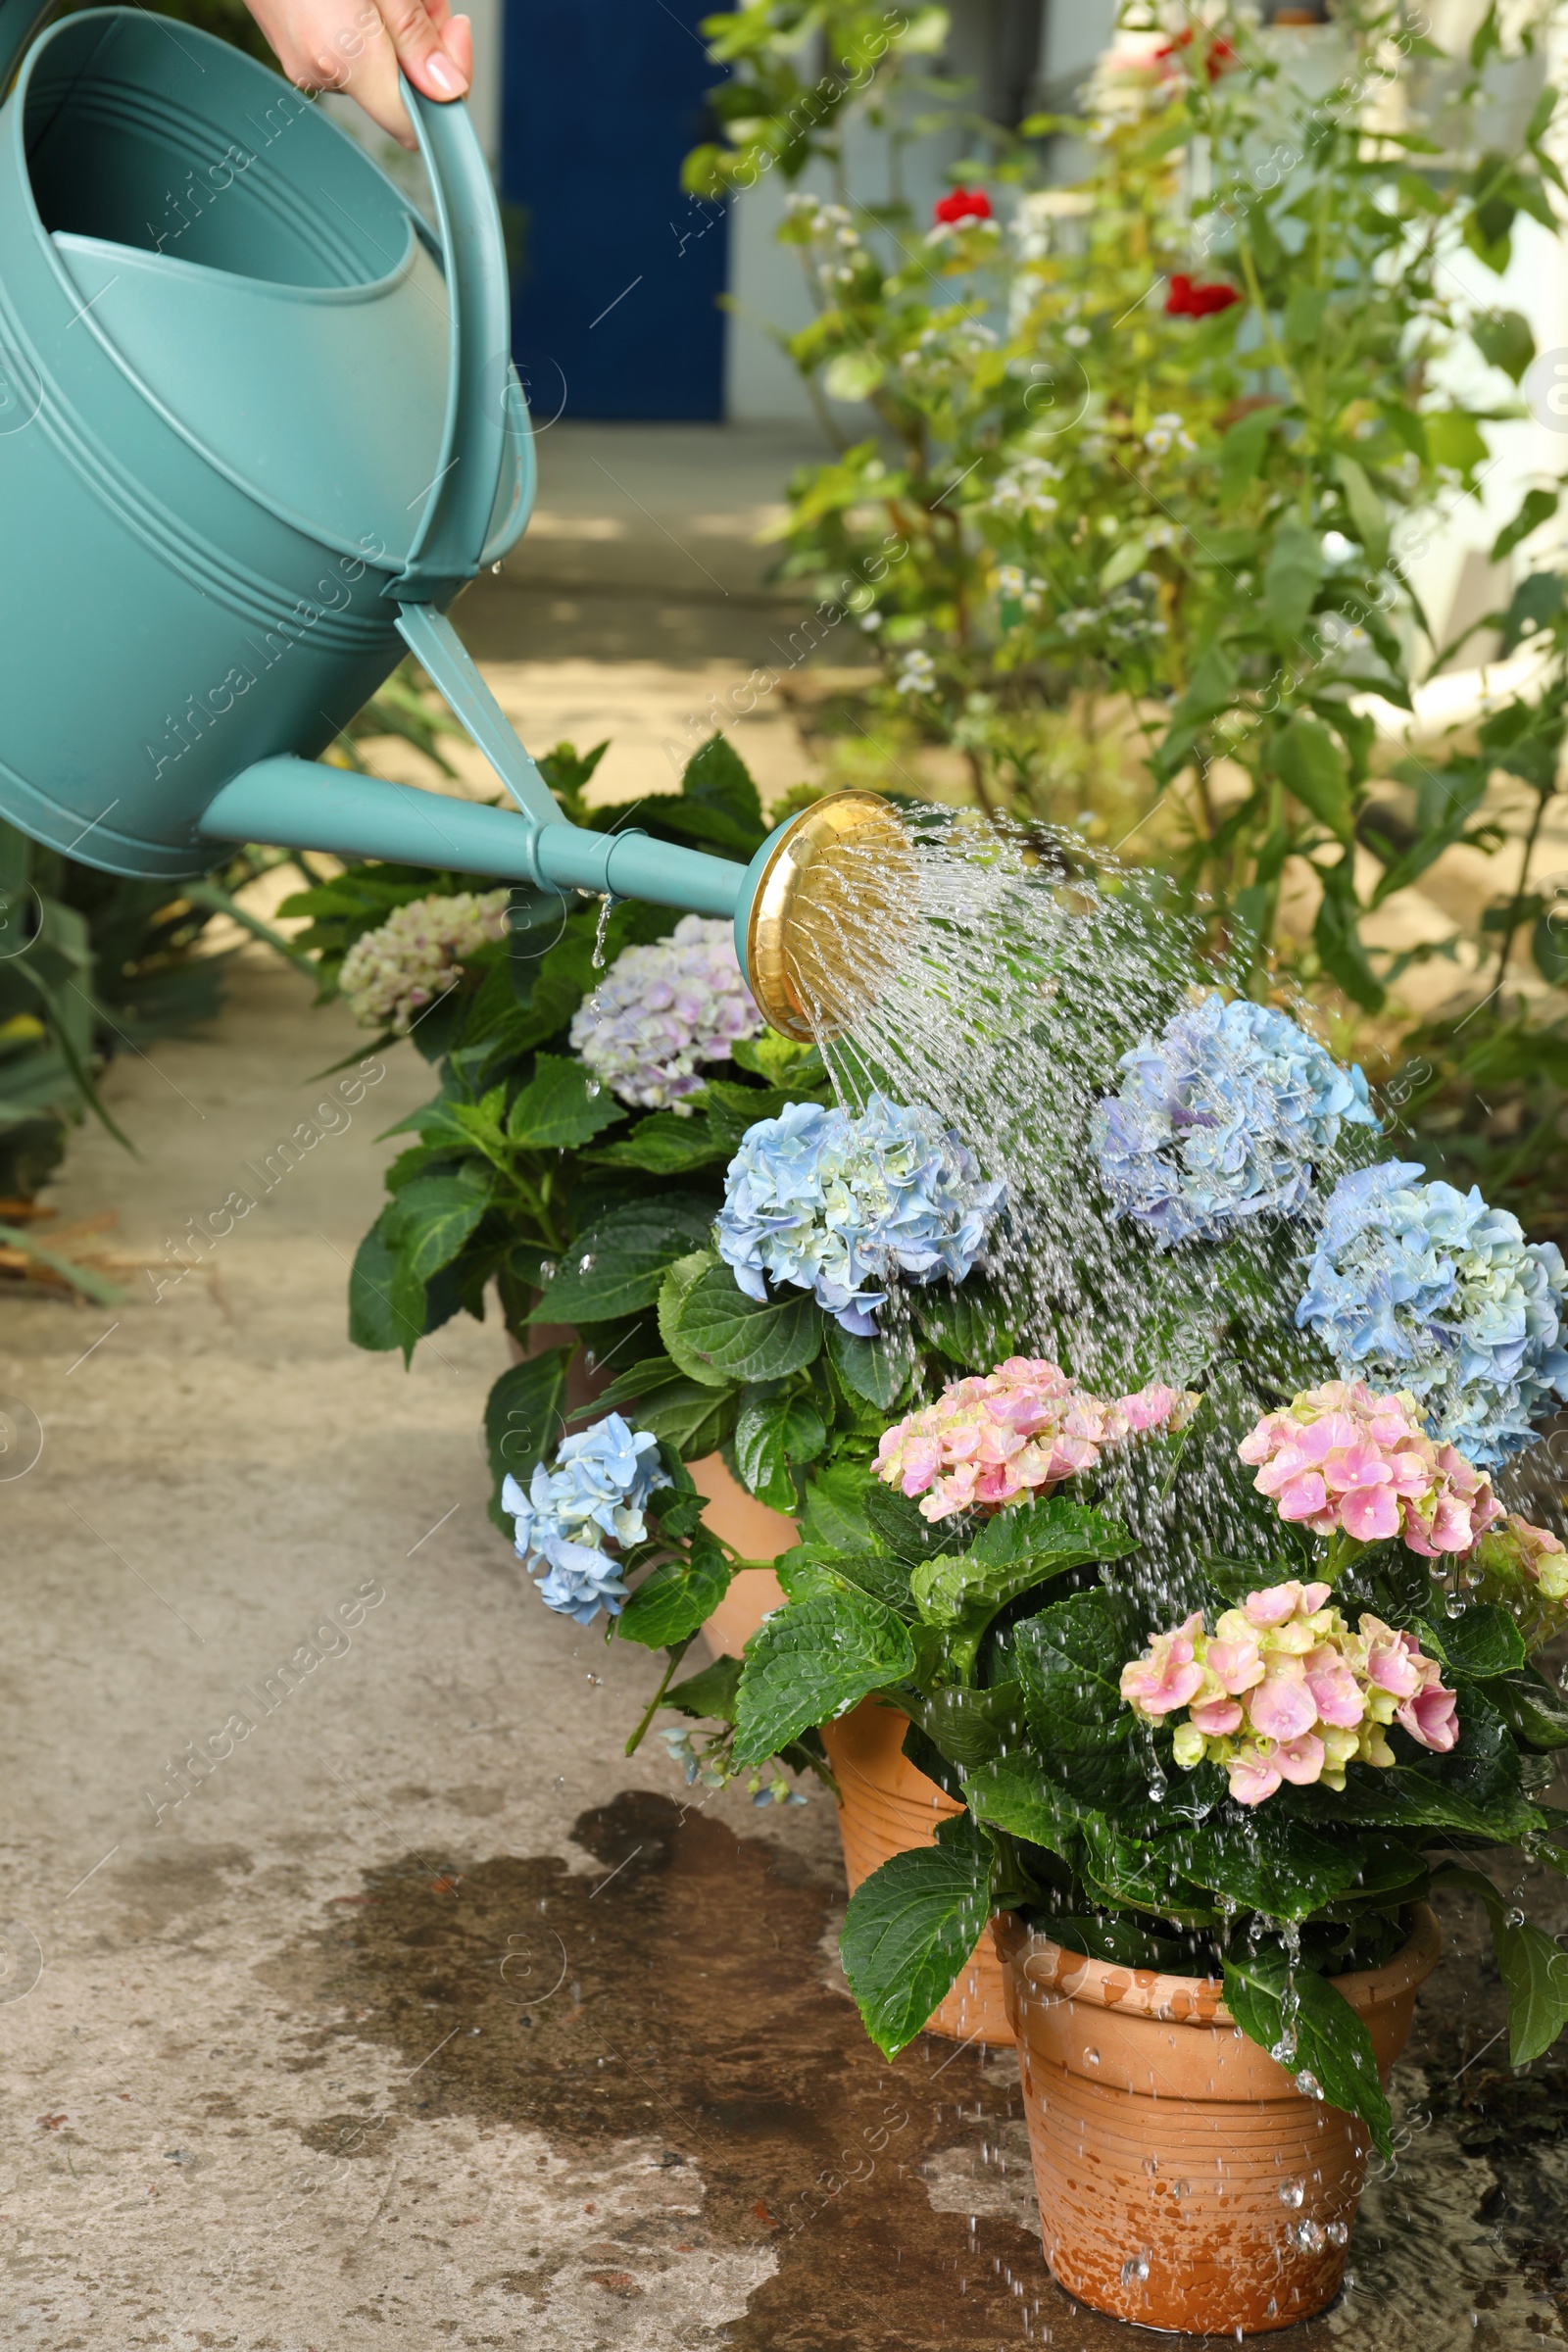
(1222, 1120)
(833, 1203)
(1417, 1285)
(593, 1499)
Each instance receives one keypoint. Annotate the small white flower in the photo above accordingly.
(1160, 534)
(1157, 439)
(1010, 581)
(870, 620)
(918, 675)
(1077, 337)
(1077, 621)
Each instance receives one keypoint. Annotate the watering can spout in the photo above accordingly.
(309, 807)
(822, 914)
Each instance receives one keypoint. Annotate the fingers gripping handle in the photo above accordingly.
(452, 531)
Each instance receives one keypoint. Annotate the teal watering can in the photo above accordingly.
(259, 426)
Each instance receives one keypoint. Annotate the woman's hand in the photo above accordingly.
(361, 45)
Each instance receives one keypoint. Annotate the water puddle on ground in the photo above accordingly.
(677, 1993)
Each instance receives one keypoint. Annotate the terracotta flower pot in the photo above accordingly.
(1184, 2182)
(758, 1533)
(890, 1808)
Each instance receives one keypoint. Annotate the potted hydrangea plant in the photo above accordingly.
(594, 1062)
(1221, 1676)
(1206, 1781)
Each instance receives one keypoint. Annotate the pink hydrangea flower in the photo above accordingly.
(1282, 1707)
(1341, 1459)
(1005, 1436)
(1283, 1691)
(1169, 1676)
(1429, 1718)
(1253, 1776)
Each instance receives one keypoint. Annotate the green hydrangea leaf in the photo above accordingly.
(562, 1105)
(1331, 2044)
(910, 1929)
(677, 1597)
(617, 1266)
(812, 1661)
(747, 1339)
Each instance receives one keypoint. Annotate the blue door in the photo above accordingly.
(616, 301)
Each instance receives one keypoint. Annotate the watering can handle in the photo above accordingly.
(452, 530)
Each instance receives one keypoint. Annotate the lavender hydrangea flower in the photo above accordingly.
(661, 1010)
(592, 1499)
(1222, 1120)
(1417, 1285)
(833, 1204)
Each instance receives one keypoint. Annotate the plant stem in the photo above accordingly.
(677, 1652)
(1516, 907)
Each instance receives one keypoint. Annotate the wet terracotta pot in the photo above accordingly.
(758, 1533)
(890, 1808)
(1184, 2182)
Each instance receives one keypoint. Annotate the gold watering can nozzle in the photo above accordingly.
(828, 908)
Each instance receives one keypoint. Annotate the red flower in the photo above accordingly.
(1189, 300)
(1220, 59)
(962, 204)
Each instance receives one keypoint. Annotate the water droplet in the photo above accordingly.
(592, 1088)
(546, 1269)
(1308, 2235)
(1273, 2310)
(1339, 2233)
(585, 1262)
(607, 905)
(1454, 1606)
(1135, 2268)
(1307, 2083)
(1284, 2051)
(1180, 2188)
(1292, 2191)
(1513, 1918)
(1090, 2057)
(1151, 2166)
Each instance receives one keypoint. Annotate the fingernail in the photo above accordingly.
(448, 80)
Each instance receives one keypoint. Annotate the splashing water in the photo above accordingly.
(1023, 977)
